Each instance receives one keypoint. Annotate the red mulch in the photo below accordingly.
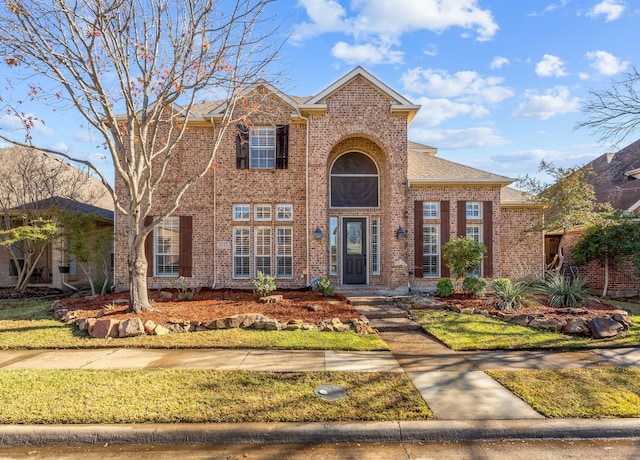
(588, 310)
(208, 304)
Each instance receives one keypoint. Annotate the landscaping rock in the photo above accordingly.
(522, 320)
(177, 328)
(272, 325)
(604, 327)
(104, 328)
(623, 318)
(121, 301)
(271, 299)
(161, 330)
(551, 324)
(166, 295)
(149, 327)
(576, 326)
(293, 325)
(131, 328)
(467, 311)
(59, 313)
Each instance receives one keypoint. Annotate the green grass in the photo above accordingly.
(576, 393)
(477, 332)
(200, 396)
(27, 325)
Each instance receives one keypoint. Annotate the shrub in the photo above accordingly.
(444, 288)
(564, 292)
(185, 291)
(323, 286)
(511, 296)
(462, 256)
(264, 285)
(474, 285)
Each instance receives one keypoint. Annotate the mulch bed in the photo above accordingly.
(207, 304)
(31, 292)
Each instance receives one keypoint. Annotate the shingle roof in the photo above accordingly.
(610, 181)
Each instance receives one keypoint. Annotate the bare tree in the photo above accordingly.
(135, 69)
(31, 183)
(613, 113)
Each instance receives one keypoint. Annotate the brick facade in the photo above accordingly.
(358, 115)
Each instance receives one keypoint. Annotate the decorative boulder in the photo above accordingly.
(604, 327)
(104, 328)
(576, 326)
(131, 328)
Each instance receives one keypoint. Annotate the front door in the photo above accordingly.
(354, 252)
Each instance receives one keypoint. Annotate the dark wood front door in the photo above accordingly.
(354, 252)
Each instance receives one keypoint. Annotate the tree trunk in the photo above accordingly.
(605, 289)
(138, 295)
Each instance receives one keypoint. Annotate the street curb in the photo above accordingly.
(318, 433)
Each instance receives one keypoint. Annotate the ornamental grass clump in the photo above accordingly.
(562, 291)
(511, 296)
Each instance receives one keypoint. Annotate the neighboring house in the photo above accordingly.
(616, 180)
(330, 186)
(33, 182)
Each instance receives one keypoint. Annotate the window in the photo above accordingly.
(284, 212)
(263, 250)
(333, 244)
(284, 252)
(241, 252)
(430, 210)
(241, 212)
(474, 210)
(166, 245)
(354, 182)
(262, 212)
(474, 231)
(375, 245)
(430, 251)
(262, 147)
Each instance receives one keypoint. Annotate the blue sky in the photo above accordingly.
(500, 82)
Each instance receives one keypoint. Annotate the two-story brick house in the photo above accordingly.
(330, 186)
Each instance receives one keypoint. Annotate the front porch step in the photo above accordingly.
(379, 311)
(370, 300)
(394, 324)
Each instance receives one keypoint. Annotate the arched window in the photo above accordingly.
(354, 182)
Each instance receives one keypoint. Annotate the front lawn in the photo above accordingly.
(477, 332)
(27, 325)
(573, 393)
(202, 396)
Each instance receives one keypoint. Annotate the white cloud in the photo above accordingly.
(13, 123)
(466, 85)
(459, 138)
(606, 63)
(366, 54)
(611, 9)
(550, 66)
(436, 111)
(383, 23)
(499, 62)
(555, 101)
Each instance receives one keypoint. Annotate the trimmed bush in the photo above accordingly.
(444, 288)
(564, 292)
(474, 285)
(324, 287)
(264, 285)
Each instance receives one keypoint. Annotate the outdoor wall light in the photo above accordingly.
(400, 233)
(317, 234)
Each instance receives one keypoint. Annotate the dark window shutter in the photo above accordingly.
(462, 219)
(418, 222)
(242, 147)
(445, 234)
(186, 254)
(148, 247)
(487, 232)
(282, 147)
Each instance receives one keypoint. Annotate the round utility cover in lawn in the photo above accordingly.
(330, 392)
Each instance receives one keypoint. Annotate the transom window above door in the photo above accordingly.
(354, 182)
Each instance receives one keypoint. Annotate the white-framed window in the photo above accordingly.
(284, 252)
(241, 252)
(375, 245)
(166, 247)
(262, 145)
(262, 250)
(333, 245)
(241, 212)
(262, 212)
(474, 210)
(431, 251)
(431, 210)
(284, 212)
(474, 231)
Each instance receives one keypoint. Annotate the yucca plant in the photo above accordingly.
(511, 296)
(564, 292)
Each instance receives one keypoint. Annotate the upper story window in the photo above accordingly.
(262, 212)
(354, 182)
(430, 210)
(262, 147)
(474, 210)
(284, 212)
(241, 212)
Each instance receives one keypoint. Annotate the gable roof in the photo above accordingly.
(399, 103)
(615, 178)
(68, 204)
